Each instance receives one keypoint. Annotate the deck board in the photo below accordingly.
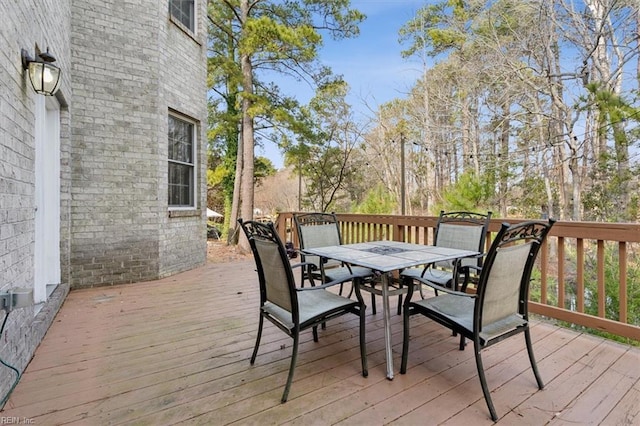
(176, 351)
(617, 378)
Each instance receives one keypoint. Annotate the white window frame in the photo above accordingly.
(179, 18)
(193, 165)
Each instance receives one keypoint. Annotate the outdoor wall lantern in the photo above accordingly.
(44, 76)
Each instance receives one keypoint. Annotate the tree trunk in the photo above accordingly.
(428, 148)
(503, 159)
(246, 179)
(234, 230)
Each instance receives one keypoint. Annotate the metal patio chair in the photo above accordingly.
(321, 230)
(499, 309)
(459, 230)
(290, 308)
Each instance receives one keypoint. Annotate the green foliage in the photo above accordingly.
(468, 193)
(324, 156)
(612, 286)
(609, 198)
(325, 174)
(437, 28)
(535, 288)
(530, 198)
(377, 201)
(599, 200)
(602, 200)
(280, 37)
(245, 46)
(215, 177)
(262, 168)
(218, 198)
(265, 35)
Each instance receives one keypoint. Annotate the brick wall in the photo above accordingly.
(184, 241)
(130, 65)
(25, 24)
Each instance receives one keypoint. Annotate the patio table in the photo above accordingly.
(386, 257)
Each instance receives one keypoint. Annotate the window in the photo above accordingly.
(184, 12)
(181, 162)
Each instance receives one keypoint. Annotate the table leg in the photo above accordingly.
(386, 314)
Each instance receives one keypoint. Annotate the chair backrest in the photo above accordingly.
(503, 287)
(277, 284)
(317, 230)
(464, 231)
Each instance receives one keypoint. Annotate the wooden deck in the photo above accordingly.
(177, 351)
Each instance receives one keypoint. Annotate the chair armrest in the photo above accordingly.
(424, 268)
(331, 283)
(301, 264)
(438, 287)
(467, 276)
(427, 266)
(453, 292)
(357, 281)
(477, 268)
(307, 269)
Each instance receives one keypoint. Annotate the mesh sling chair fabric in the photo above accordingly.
(499, 309)
(322, 230)
(290, 308)
(459, 230)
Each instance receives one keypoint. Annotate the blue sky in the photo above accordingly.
(371, 63)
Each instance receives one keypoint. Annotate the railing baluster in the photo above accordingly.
(544, 261)
(622, 262)
(561, 293)
(601, 286)
(580, 275)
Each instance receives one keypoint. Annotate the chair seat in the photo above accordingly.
(437, 276)
(459, 310)
(342, 272)
(312, 303)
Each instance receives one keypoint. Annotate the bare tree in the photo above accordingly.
(278, 193)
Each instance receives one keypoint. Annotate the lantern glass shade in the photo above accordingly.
(45, 77)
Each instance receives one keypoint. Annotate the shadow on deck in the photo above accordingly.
(177, 351)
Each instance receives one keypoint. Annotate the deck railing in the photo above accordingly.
(583, 269)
